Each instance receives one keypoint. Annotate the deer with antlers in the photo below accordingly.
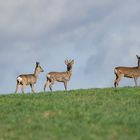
(29, 79)
(129, 72)
(63, 77)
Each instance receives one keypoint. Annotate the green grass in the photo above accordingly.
(93, 114)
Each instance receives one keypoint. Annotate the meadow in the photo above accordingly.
(86, 114)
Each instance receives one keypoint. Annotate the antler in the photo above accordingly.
(66, 61)
(69, 61)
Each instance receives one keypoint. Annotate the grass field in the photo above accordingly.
(92, 114)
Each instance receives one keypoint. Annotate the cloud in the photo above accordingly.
(98, 35)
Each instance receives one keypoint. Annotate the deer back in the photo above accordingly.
(130, 72)
(59, 76)
(27, 79)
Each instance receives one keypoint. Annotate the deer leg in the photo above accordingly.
(65, 85)
(32, 87)
(135, 80)
(50, 86)
(46, 84)
(51, 83)
(118, 80)
(115, 82)
(17, 85)
(23, 87)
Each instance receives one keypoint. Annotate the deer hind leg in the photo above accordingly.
(46, 84)
(118, 79)
(51, 80)
(51, 84)
(23, 87)
(32, 87)
(17, 85)
(115, 82)
(116, 73)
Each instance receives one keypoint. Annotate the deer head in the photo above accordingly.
(69, 64)
(38, 67)
(138, 60)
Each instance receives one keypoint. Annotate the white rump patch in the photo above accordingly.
(115, 71)
(19, 79)
(48, 75)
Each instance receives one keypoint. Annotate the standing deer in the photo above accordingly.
(63, 77)
(129, 72)
(29, 79)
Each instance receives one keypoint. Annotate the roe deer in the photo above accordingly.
(29, 79)
(129, 72)
(63, 77)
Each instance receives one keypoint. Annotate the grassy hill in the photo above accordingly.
(92, 114)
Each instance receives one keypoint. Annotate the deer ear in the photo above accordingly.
(138, 57)
(72, 62)
(37, 63)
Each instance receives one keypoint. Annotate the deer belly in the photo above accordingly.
(129, 75)
(31, 81)
(61, 79)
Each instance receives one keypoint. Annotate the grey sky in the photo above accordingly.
(97, 34)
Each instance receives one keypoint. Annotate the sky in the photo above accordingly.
(98, 34)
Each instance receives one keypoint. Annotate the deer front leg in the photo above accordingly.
(32, 87)
(17, 85)
(65, 85)
(135, 80)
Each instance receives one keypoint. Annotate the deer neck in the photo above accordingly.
(69, 73)
(36, 73)
(139, 64)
